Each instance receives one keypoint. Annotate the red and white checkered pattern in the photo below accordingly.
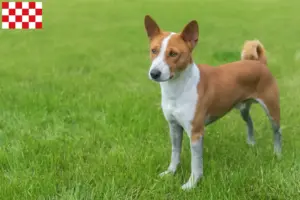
(22, 15)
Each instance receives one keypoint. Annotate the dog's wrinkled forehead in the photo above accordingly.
(168, 41)
(159, 41)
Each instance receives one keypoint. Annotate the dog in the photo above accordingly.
(194, 96)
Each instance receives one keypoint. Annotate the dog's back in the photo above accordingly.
(237, 82)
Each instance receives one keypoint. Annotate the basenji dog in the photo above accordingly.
(196, 95)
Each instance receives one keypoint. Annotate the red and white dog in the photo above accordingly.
(194, 96)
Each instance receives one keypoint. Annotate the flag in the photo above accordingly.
(22, 15)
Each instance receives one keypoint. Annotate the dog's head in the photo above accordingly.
(170, 53)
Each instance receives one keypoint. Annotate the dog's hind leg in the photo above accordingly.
(270, 103)
(245, 113)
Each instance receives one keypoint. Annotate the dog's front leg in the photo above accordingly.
(176, 132)
(196, 142)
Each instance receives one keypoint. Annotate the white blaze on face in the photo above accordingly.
(159, 62)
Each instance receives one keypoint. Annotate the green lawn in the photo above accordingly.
(80, 120)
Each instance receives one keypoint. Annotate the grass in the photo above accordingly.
(80, 120)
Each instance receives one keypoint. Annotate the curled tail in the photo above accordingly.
(253, 50)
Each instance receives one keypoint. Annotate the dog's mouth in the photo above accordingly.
(163, 80)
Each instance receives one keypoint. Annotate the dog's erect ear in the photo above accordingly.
(190, 33)
(151, 27)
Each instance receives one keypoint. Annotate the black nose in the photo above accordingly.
(155, 74)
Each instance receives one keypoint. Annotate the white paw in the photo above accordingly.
(192, 182)
(167, 172)
(250, 142)
(171, 170)
(189, 185)
(277, 152)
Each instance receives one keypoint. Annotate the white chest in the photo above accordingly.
(179, 100)
(181, 110)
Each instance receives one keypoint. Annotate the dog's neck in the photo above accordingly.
(181, 83)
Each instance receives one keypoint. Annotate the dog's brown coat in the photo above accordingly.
(220, 88)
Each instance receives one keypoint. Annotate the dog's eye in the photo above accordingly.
(154, 51)
(173, 54)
